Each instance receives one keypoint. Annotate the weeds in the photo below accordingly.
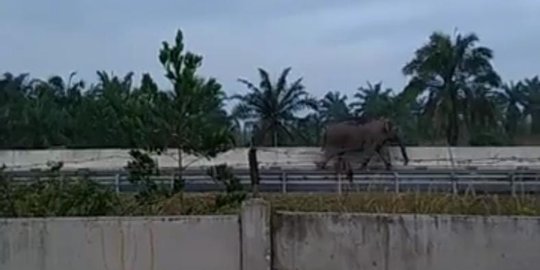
(234, 192)
(419, 203)
(58, 196)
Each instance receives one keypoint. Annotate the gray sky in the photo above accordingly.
(333, 45)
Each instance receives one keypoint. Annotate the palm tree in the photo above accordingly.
(373, 101)
(509, 101)
(108, 110)
(446, 68)
(312, 126)
(530, 99)
(333, 107)
(13, 100)
(483, 117)
(273, 106)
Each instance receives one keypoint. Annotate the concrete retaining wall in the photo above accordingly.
(292, 157)
(252, 240)
(214, 242)
(402, 242)
(210, 242)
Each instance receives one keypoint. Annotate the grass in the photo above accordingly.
(84, 198)
(420, 203)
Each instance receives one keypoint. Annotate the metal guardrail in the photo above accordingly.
(520, 180)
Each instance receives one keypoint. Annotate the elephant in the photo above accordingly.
(370, 136)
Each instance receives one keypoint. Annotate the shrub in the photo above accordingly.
(234, 191)
(56, 197)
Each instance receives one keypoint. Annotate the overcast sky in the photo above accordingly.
(333, 45)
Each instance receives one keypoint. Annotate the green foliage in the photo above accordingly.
(373, 101)
(140, 169)
(333, 107)
(453, 94)
(271, 107)
(55, 197)
(418, 203)
(197, 121)
(452, 71)
(234, 191)
(8, 198)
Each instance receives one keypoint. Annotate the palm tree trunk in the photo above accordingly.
(453, 132)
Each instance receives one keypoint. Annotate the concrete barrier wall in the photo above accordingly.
(291, 157)
(253, 240)
(120, 243)
(213, 242)
(399, 242)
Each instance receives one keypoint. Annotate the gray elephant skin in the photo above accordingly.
(369, 136)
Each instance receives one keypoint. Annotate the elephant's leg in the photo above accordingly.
(387, 163)
(326, 157)
(328, 154)
(343, 165)
(370, 150)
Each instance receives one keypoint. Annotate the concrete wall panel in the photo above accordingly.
(126, 243)
(403, 242)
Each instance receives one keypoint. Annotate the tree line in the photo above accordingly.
(454, 96)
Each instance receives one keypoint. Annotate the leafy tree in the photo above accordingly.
(196, 122)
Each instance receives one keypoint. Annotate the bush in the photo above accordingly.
(234, 191)
(55, 197)
(84, 197)
(140, 169)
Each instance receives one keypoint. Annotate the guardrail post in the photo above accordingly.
(454, 183)
(512, 184)
(172, 179)
(117, 183)
(283, 182)
(396, 182)
(339, 182)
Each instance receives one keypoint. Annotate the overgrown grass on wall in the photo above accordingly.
(70, 202)
(84, 197)
(421, 203)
